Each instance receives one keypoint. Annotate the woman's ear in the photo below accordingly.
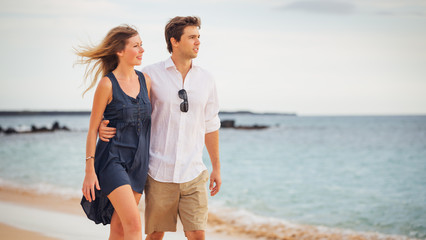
(120, 53)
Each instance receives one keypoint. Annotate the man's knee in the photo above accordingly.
(155, 236)
(195, 235)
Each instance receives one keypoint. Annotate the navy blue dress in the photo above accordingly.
(124, 159)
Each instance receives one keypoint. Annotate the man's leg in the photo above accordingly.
(193, 208)
(195, 235)
(161, 208)
(155, 236)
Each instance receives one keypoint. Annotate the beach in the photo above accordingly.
(28, 215)
(8, 232)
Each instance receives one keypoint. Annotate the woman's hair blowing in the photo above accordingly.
(102, 59)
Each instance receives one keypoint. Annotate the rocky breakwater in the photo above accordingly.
(35, 129)
(231, 124)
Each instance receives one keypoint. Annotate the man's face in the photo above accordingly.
(189, 43)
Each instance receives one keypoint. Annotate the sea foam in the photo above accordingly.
(42, 189)
(241, 221)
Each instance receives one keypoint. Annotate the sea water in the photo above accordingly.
(362, 173)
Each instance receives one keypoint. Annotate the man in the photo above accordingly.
(184, 119)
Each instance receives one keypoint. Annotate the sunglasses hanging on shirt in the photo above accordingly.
(184, 105)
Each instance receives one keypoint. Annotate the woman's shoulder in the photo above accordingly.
(105, 83)
(144, 74)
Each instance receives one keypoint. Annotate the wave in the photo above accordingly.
(233, 221)
(42, 189)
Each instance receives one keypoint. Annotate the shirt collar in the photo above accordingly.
(170, 64)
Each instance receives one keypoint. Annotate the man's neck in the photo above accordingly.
(183, 65)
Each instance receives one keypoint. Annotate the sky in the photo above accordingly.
(310, 57)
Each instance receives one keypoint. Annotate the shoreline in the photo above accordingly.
(67, 212)
(87, 112)
(30, 215)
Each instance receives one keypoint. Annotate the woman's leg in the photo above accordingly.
(126, 221)
(116, 229)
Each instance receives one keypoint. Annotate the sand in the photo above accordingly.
(8, 232)
(27, 215)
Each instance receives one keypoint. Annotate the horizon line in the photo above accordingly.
(248, 112)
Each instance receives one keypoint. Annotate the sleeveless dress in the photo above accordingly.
(124, 159)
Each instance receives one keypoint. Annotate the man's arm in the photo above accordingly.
(212, 145)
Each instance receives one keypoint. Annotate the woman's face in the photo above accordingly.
(132, 53)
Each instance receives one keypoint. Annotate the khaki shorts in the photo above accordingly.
(164, 201)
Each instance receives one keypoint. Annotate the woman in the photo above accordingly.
(116, 171)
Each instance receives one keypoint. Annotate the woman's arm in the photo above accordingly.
(103, 96)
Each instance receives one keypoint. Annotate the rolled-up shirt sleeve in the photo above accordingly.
(212, 111)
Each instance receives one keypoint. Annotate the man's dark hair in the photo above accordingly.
(174, 28)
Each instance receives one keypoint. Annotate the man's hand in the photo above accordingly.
(215, 178)
(106, 133)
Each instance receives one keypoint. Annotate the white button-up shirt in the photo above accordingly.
(177, 138)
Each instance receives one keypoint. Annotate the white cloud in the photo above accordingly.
(416, 8)
(58, 7)
(326, 6)
(270, 62)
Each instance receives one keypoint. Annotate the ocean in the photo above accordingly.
(365, 174)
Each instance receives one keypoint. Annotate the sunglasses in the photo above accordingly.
(184, 105)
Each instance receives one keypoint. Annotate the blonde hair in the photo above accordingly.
(102, 59)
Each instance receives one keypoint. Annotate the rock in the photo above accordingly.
(227, 123)
(55, 126)
(254, 127)
(35, 129)
(231, 124)
(42, 129)
(10, 131)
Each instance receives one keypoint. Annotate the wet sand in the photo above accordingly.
(27, 215)
(8, 232)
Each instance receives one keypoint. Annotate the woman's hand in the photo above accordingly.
(89, 184)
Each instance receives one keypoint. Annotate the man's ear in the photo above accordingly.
(174, 42)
